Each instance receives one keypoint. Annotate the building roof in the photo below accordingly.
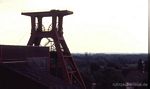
(38, 73)
(32, 63)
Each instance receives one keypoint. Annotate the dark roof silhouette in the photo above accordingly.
(38, 74)
(27, 66)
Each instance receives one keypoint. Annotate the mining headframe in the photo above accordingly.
(40, 67)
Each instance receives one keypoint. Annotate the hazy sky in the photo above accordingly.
(102, 26)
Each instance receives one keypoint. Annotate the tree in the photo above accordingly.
(140, 65)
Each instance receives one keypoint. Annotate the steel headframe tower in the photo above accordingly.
(64, 64)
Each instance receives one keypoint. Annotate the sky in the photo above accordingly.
(97, 26)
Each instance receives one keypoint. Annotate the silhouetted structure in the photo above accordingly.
(64, 64)
(59, 59)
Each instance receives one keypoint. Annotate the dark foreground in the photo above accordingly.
(114, 71)
(99, 71)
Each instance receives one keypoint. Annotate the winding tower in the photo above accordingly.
(61, 63)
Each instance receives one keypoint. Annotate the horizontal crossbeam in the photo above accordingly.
(48, 13)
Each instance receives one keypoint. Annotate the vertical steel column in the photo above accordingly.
(54, 21)
(60, 24)
(31, 40)
(39, 24)
(32, 24)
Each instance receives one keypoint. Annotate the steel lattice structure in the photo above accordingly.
(61, 60)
